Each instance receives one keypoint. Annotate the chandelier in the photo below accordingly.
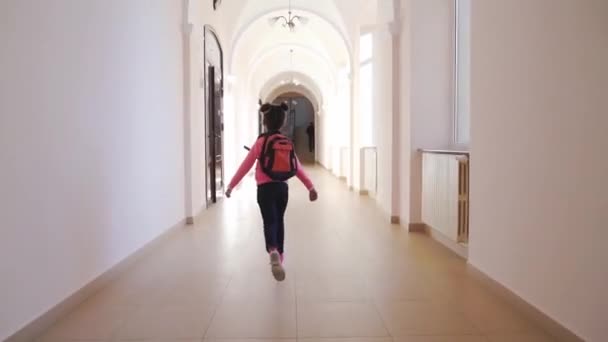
(289, 21)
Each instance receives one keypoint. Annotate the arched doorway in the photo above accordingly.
(301, 116)
(214, 116)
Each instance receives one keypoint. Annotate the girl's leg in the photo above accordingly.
(282, 200)
(268, 195)
(270, 215)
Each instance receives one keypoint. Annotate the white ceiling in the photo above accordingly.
(257, 52)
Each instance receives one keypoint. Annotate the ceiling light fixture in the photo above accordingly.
(289, 21)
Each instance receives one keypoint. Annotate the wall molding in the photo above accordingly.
(38, 326)
(459, 249)
(551, 326)
(191, 220)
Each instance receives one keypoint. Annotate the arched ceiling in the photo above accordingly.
(258, 54)
(252, 10)
(344, 15)
(266, 57)
(260, 38)
(304, 66)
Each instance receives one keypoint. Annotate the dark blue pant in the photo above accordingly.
(272, 199)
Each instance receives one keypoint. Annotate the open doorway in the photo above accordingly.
(214, 117)
(300, 125)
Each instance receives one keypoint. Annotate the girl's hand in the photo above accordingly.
(228, 193)
(313, 195)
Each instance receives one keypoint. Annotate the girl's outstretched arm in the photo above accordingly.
(303, 177)
(246, 165)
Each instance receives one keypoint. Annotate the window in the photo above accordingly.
(366, 89)
(462, 103)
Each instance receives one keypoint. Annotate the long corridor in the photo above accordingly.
(350, 275)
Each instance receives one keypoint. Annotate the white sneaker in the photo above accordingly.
(277, 268)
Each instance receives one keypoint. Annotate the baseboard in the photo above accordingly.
(460, 250)
(395, 220)
(45, 321)
(550, 326)
(191, 220)
(417, 228)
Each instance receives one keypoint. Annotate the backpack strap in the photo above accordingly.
(266, 136)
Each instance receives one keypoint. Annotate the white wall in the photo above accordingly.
(383, 114)
(431, 83)
(200, 13)
(91, 142)
(405, 140)
(539, 194)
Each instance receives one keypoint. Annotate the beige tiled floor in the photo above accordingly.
(351, 277)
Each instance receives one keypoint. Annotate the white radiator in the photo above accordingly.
(445, 201)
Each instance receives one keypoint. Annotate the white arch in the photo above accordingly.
(273, 85)
(321, 73)
(317, 53)
(294, 89)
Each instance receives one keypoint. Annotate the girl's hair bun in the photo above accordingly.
(265, 107)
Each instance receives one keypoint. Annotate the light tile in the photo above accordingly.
(155, 340)
(339, 319)
(260, 287)
(399, 287)
(88, 322)
(347, 339)
(192, 289)
(167, 324)
(532, 337)
(343, 289)
(249, 340)
(491, 315)
(460, 338)
(424, 318)
(266, 319)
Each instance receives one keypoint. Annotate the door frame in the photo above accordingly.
(209, 99)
